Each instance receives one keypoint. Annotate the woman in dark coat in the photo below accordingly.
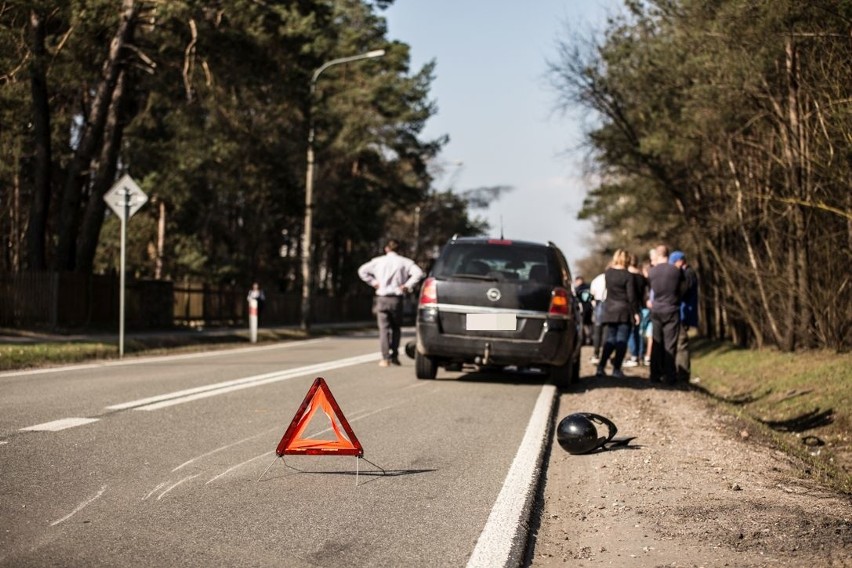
(619, 312)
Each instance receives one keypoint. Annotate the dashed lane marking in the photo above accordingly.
(58, 425)
(188, 395)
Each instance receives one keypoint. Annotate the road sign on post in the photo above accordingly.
(125, 198)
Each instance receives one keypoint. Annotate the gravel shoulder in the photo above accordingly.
(694, 489)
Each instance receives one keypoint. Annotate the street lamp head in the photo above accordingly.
(375, 53)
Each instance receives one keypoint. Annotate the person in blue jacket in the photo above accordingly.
(688, 314)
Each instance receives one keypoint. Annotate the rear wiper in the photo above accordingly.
(475, 277)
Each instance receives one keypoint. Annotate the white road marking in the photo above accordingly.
(188, 395)
(494, 546)
(158, 358)
(356, 417)
(217, 450)
(79, 507)
(154, 490)
(211, 452)
(239, 465)
(58, 425)
(3, 442)
(163, 494)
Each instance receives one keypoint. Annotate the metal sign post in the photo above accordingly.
(124, 199)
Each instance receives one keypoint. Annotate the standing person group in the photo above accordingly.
(392, 276)
(662, 299)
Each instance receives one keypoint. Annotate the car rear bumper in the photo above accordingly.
(553, 346)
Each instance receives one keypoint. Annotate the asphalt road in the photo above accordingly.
(156, 462)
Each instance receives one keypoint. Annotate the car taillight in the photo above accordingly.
(559, 302)
(429, 292)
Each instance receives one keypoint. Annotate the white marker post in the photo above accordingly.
(252, 302)
(124, 198)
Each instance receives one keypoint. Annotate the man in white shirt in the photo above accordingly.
(392, 275)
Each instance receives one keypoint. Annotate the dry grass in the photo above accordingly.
(800, 401)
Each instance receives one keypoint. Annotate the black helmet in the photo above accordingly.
(577, 434)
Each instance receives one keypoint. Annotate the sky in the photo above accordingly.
(495, 102)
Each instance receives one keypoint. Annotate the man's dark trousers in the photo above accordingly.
(666, 327)
(389, 318)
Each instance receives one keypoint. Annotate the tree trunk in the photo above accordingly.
(752, 257)
(104, 177)
(801, 194)
(90, 140)
(40, 204)
(733, 291)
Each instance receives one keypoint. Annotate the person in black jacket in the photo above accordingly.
(619, 312)
(636, 342)
(667, 288)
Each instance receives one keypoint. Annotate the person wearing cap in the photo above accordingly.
(688, 314)
(667, 284)
(392, 276)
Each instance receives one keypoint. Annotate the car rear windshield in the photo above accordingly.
(498, 262)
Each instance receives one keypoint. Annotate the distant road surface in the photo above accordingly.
(156, 461)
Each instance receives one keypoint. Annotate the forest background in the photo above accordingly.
(723, 126)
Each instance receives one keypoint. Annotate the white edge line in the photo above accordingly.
(79, 507)
(495, 543)
(158, 358)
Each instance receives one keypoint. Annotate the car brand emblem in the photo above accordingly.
(493, 294)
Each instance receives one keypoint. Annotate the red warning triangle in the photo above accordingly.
(319, 397)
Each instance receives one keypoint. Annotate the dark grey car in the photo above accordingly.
(497, 303)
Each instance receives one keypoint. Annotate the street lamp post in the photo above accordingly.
(309, 185)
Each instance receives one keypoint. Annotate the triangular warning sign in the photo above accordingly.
(319, 397)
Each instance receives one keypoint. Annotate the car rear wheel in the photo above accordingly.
(563, 375)
(425, 367)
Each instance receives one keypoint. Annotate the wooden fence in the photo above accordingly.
(203, 304)
(68, 300)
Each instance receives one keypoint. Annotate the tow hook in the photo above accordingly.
(487, 355)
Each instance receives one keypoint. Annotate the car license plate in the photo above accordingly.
(491, 322)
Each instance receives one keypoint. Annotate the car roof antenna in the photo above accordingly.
(501, 227)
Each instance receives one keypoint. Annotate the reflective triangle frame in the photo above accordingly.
(319, 397)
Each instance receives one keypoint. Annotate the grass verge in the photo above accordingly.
(34, 354)
(801, 403)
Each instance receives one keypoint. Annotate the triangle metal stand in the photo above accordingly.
(357, 467)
